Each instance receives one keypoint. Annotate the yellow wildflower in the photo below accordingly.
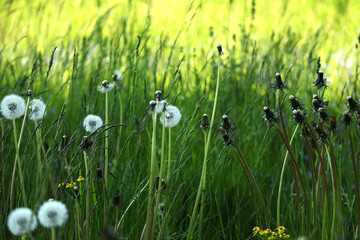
(267, 231)
(256, 230)
(70, 185)
(280, 229)
(80, 179)
(286, 236)
(60, 185)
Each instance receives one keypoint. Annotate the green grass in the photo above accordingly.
(177, 55)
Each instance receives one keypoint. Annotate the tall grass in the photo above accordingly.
(65, 73)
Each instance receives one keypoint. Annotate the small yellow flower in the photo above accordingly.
(267, 231)
(280, 229)
(60, 185)
(70, 185)
(256, 230)
(286, 236)
(80, 179)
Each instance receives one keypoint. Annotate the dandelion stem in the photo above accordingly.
(201, 215)
(87, 201)
(38, 155)
(53, 234)
(17, 147)
(121, 122)
(106, 156)
(281, 178)
(169, 161)
(150, 207)
(203, 178)
(158, 193)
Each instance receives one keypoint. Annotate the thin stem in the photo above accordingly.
(356, 182)
(121, 122)
(87, 201)
(252, 181)
(128, 207)
(17, 147)
(281, 178)
(169, 160)
(158, 193)
(202, 196)
(53, 237)
(19, 166)
(106, 157)
(193, 216)
(150, 207)
(38, 155)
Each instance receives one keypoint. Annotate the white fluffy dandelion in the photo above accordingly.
(106, 86)
(118, 75)
(37, 109)
(21, 221)
(172, 116)
(13, 106)
(157, 108)
(52, 214)
(92, 123)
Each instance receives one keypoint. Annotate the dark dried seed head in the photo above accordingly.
(205, 122)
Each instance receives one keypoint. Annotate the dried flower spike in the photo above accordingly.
(332, 123)
(205, 122)
(172, 116)
(13, 106)
(299, 116)
(219, 48)
(37, 109)
(320, 81)
(226, 123)
(279, 83)
(21, 221)
(270, 116)
(322, 134)
(295, 104)
(323, 115)
(347, 118)
(352, 104)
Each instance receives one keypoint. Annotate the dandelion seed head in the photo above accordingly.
(172, 116)
(92, 123)
(52, 214)
(106, 86)
(37, 109)
(21, 221)
(13, 106)
(117, 75)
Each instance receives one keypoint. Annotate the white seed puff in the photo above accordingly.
(12, 106)
(37, 109)
(21, 221)
(52, 214)
(172, 116)
(92, 123)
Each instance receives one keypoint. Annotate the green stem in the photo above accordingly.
(158, 193)
(53, 234)
(17, 147)
(202, 197)
(121, 122)
(357, 191)
(202, 179)
(150, 207)
(106, 157)
(281, 178)
(169, 161)
(87, 201)
(19, 166)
